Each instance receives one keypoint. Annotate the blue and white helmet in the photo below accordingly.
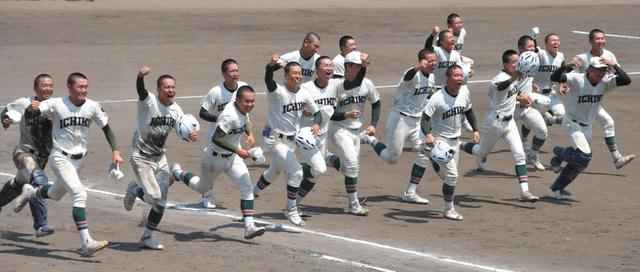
(441, 153)
(528, 62)
(305, 139)
(185, 125)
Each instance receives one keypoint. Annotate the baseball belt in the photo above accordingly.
(286, 137)
(504, 118)
(74, 156)
(579, 123)
(546, 91)
(224, 156)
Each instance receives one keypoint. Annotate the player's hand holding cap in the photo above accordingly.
(114, 172)
(597, 62)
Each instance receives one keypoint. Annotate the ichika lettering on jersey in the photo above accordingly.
(547, 68)
(589, 98)
(422, 90)
(293, 107)
(452, 112)
(445, 64)
(352, 100)
(162, 121)
(327, 101)
(75, 121)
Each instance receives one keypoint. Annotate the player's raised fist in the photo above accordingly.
(364, 57)
(274, 59)
(34, 105)
(144, 71)
(436, 30)
(575, 63)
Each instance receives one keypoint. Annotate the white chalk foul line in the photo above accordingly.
(317, 233)
(609, 35)
(356, 264)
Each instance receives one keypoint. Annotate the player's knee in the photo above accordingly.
(451, 181)
(520, 158)
(422, 161)
(318, 170)
(351, 169)
(541, 132)
(79, 197)
(581, 160)
(390, 156)
(295, 179)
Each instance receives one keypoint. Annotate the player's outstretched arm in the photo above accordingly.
(268, 75)
(142, 92)
(558, 75)
(471, 117)
(205, 115)
(429, 42)
(622, 78)
(111, 139)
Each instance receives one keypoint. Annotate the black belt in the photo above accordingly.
(224, 156)
(288, 137)
(73, 156)
(504, 118)
(404, 114)
(581, 124)
(546, 91)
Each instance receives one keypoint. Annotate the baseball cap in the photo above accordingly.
(596, 62)
(353, 57)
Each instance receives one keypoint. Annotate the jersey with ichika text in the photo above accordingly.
(412, 96)
(446, 112)
(308, 65)
(325, 98)
(502, 102)
(233, 123)
(285, 109)
(216, 100)
(584, 98)
(354, 99)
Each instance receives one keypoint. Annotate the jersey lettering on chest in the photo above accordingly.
(75, 121)
(547, 68)
(221, 106)
(422, 90)
(591, 98)
(512, 91)
(307, 72)
(452, 112)
(445, 64)
(236, 131)
(457, 47)
(352, 100)
(297, 106)
(327, 101)
(162, 121)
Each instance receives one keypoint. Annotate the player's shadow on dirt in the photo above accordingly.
(383, 198)
(553, 200)
(257, 166)
(413, 216)
(210, 236)
(33, 251)
(491, 174)
(467, 201)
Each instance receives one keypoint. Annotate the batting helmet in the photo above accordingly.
(441, 153)
(185, 125)
(528, 62)
(304, 138)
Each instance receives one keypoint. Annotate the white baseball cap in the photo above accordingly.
(353, 57)
(596, 62)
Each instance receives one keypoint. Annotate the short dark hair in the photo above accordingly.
(546, 38)
(320, 60)
(225, 64)
(71, 79)
(441, 36)
(344, 39)
(593, 32)
(508, 53)
(522, 41)
(311, 36)
(450, 69)
(36, 81)
(242, 90)
(163, 77)
(290, 64)
(423, 53)
(451, 17)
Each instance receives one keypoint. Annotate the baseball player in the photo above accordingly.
(531, 118)
(442, 121)
(598, 40)
(323, 90)
(455, 25)
(31, 153)
(499, 122)
(156, 118)
(412, 95)
(347, 121)
(71, 117)
(213, 104)
(550, 60)
(447, 56)
(347, 45)
(306, 56)
(224, 154)
(586, 93)
(286, 104)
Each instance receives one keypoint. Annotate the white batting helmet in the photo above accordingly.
(257, 155)
(304, 138)
(441, 153)
(528, 62)
(185, 125)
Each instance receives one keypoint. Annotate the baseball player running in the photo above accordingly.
(442, 121)
(157, 116)
(286, 104)
(586, 93)
(347, 45)
(213, 104)
(347, 121)
(499, 122)
(412, 95)
(598, 40)
(306, 56)
(550, 60)
(224, 154)
(531, 118)
(71, 117)
(31, 153)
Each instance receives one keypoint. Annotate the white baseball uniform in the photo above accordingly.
(551, 99)
(308, 65)
(446, 112)
(32, 151)
(70, 135)
(338, 65)
(445, 59)
(344, 134)
(216, 100)
(531, 117)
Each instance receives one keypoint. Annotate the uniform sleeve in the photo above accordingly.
(100, 116)
(225, 124)
(430, 108)
(572, 80)
(310, 103)
(19, 105)
(47, 108)
(209, 100)
(373, 96)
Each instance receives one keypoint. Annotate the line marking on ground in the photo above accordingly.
(609, 35)
(317, 233)
(357, 264)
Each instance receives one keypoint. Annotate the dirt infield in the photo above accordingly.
(109, 41)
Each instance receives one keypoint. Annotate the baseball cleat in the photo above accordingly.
(480, 164)
(356, 209)
(92, 246)
(526, 196)
(452, 214)
(293, 216)
(623, 160)
(130, 197)
(252, 231)
(559, 195)
(148, 242)
(533, 160)
(22, 199)
(556, 164)
(44, 231)
(414, 198)
(547, 118)
(208, 201)
(172, 177)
